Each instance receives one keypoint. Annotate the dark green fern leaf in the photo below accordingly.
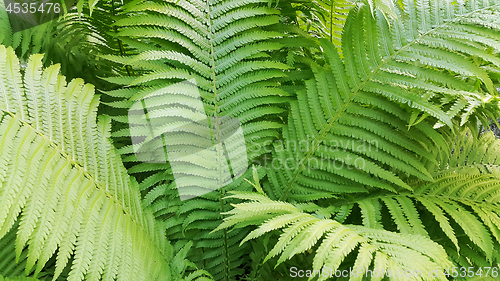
(17, 278)
(216, 54)
(343, 110)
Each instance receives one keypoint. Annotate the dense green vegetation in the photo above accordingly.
(363, 141)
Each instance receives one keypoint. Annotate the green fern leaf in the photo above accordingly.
(221, 51)
(461, 204)
(17, 278)
(302, 231)
(61, 177)
(381, 61)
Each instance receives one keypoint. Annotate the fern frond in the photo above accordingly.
(73, 39)
(62, 178)
(10, 265)
(302, 231)
(381, 62)
(331, 135)
(462, 204)
(326, 18)
(202, 66)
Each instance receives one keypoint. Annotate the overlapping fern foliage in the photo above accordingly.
(360, 117)
(74, 40)
(373, 113)
(445, 187)
(64, 188)
(460, 210)
(400, 75)
(326, 19)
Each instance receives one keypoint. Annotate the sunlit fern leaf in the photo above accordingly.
(61, 176)
(301, 232)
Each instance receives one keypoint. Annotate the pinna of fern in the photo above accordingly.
(64, 185)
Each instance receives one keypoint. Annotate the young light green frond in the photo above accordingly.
(62, 179)
(335, 241)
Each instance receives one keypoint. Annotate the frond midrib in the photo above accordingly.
(86, 174)
(356, 90)
(217, 128)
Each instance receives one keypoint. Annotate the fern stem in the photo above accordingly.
(217, 138)
(331, 19)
